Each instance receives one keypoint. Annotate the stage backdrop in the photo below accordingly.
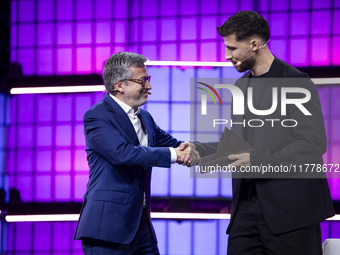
(41, 136)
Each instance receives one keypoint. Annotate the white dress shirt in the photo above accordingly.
(141, 134)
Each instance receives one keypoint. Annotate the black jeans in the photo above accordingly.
(250, 235)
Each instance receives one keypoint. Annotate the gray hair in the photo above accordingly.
(116, 68)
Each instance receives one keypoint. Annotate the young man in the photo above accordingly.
(123, 142)
(273, 215)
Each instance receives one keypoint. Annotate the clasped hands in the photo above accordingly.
(187, 155)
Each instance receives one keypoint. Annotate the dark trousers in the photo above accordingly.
(143, 243)
(250, 235)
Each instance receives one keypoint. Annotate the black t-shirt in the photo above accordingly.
(256, 83)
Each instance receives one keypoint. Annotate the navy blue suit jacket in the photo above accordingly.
(120, 171)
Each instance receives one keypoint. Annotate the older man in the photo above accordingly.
(123, 143)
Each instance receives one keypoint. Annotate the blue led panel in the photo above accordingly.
(80, 181)
(188, 52)
(45, 34)
(168, 29)
(180, 116)
(149, 30)
(120, 32)
(25, 35)
(160, 175)
(300, 5)
(320, 51)
(279, 5)
(84, 60)
(321, 22)
(63, 135)
(103, 9)
(43, 161)
(44, 62)
(45, 10)
(180, 89)
(84, 9)
(42, 236)
(103, 32)
(44, 108)
(62, 188)
(64, 33)
(43, 188)
(64, 61)
(149, 51)
(279, 48)
(63, 104)
(299, 52)
(246, 5)
(44, 136)
(278, 24)
(318, 4)
(205, 237)
(64, 10)
(62, 160)
(102, 54)
(209, 7)
(207, 187)
(82, 104)
(180, 237)
(336, 50)
(208, 51)
(160, 83)
(84, 33)
(160, 227)
(149, 8)
(299, 22)
(160, 113)
(26, 10)
(168, 52)
(188, 28)
(181, 184)
(168, 7)
(226, 187)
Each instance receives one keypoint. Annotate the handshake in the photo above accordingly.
(187, 155)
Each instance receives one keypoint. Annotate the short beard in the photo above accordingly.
(136, 102)
(246, 65)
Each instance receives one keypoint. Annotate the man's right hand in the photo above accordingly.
(187, 154)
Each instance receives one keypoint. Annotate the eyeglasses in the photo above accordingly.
(141, 81)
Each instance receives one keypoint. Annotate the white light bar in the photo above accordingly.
(47, 217)
(154, 215)
(62, 89)
(326, 80)
(191, 216)
(186, 63)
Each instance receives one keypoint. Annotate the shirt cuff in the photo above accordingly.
(173, 155)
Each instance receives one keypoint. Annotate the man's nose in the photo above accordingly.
(228, 56)
(147, 85)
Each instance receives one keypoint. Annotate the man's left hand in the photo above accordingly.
(242, 159)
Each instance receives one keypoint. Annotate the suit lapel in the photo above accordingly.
(145, 119)
(122, 119)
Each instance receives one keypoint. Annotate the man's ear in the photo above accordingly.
(119, 86)
(255, 44)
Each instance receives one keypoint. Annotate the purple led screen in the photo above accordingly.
(45, 150)
(56, 37)
(188, 237)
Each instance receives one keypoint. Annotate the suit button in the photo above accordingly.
(141, 200)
